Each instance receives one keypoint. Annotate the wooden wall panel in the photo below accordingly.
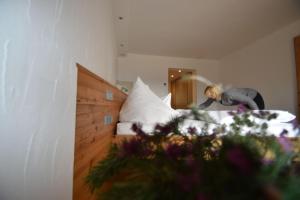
(92, 136)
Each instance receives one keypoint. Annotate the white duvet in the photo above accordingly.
(275, 127)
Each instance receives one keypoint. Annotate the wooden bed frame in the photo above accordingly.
(97, 113)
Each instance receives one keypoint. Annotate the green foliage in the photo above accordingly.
(105, 170)
(222, 164)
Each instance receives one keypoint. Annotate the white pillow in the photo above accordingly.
(142, 105)
(167, 100)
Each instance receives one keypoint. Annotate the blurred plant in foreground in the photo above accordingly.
(223, 164)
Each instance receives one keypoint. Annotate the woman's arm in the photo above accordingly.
(206, 104)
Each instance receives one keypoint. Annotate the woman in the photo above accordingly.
(234, 96)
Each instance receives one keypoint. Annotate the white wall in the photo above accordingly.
(267, 65)
(40, 42)
(154, 70)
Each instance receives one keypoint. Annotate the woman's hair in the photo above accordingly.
(214, 89)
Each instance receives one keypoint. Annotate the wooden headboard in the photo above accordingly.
(97, 111)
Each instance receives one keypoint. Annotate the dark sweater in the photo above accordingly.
(233, 97)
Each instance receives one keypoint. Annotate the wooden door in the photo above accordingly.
(297, 56)
(182, 93)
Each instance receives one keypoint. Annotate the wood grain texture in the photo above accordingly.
(118, 139)
(92, 136)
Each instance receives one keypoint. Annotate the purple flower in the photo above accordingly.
(267, 161)
(295, 123)
(134, 147)
(174, 151)
(137, 128)
(131, 147)
(165, 130)
(192, 130)
(237, 157)
(285, 144)
(241, 109)
(283, 133)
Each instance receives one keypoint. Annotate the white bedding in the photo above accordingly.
(275, 127)
(222, 115)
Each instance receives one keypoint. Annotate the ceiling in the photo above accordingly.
(207, 29)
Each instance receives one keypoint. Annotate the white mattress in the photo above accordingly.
(275, 127)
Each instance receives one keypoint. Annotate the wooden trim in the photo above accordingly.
(92, 136)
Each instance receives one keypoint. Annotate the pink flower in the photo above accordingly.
(174, 151)
(285, 144)
(241, 109)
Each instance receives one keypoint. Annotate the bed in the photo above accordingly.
(144, 107)
(103, 117)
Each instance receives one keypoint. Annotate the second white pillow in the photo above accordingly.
(167, 100)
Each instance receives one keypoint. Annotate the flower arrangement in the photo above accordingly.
(224, 165)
